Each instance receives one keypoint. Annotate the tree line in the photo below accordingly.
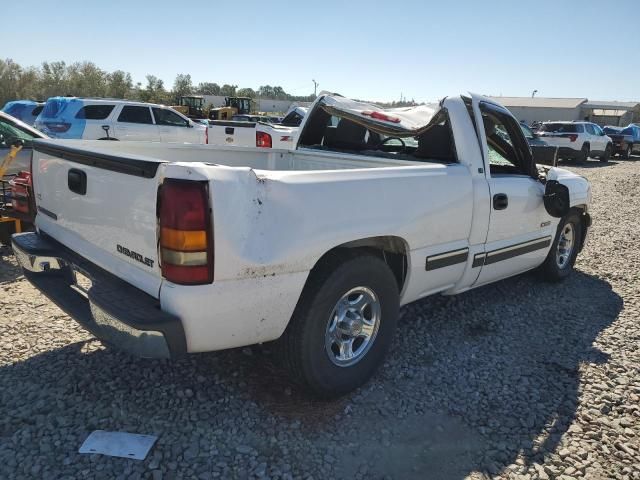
(86, 79)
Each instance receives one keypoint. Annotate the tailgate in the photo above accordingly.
(237, 134)
(101, 205)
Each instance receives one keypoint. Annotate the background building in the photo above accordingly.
(531, 109)
(261, 104)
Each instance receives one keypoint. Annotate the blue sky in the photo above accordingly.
(365, 49)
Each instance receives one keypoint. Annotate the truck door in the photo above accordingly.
(520, 230)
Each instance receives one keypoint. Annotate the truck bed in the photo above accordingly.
(267, 159)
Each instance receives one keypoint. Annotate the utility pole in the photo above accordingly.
(533, 94)
(315, 87)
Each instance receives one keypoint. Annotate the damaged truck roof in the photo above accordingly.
(400, 122)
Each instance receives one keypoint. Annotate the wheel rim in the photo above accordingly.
(352, 326)
(566, 243)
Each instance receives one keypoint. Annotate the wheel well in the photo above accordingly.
(585, 220)
(393, 250)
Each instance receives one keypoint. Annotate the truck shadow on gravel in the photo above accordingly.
(8, 269)
(472, 383)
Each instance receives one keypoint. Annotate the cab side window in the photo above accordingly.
(95, 112)
(166, 117)
(135, 114)
(508, 151)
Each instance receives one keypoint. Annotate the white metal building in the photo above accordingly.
(539, 109)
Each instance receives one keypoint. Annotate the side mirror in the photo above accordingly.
(556, 199)
(17, 142)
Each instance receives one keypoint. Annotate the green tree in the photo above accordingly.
(182, 85)
(228, 90)
(119, 84)
(154, 92)
(54, 79)
(86, 79)
(246, 92)
(208, 88)
(266, 91)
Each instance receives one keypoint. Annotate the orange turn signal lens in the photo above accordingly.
(183, 240)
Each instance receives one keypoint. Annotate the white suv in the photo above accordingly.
(577, 140)
(109, 119)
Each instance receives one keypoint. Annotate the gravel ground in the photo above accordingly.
(519, 379)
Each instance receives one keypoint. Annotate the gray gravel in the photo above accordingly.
(520, 379)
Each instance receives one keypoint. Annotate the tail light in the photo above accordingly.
(186, 238)
(571, 136)
(58, 127)
(263, 140)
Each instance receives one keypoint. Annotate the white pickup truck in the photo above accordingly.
(257, 134)
(166, 249)
(250, 134)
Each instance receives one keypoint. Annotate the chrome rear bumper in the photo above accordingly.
(116, 312)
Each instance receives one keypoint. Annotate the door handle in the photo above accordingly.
(77, 181)
(500, 201)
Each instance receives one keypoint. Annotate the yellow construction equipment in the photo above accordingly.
(232, 106)
(5, 233)
(191, 105)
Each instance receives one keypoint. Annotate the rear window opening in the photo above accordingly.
(562, 128)
(335, 133)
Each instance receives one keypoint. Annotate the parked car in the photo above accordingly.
(109, 119)
(543, 153)
(577, 140)
(13, 131)
(24, 110)
(193, 248)
(626, 141)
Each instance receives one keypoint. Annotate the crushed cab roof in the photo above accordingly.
(403, 121)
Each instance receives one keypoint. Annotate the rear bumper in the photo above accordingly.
(117, 313)
(568, 152)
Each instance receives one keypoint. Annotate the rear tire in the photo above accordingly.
(584, 153)
(606, 155)
(627, 152)
(562, 256)
(315, 346)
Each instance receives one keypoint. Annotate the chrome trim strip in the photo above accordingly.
(446, 259)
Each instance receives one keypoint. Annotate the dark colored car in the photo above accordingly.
(626, 141)
(542, 152)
